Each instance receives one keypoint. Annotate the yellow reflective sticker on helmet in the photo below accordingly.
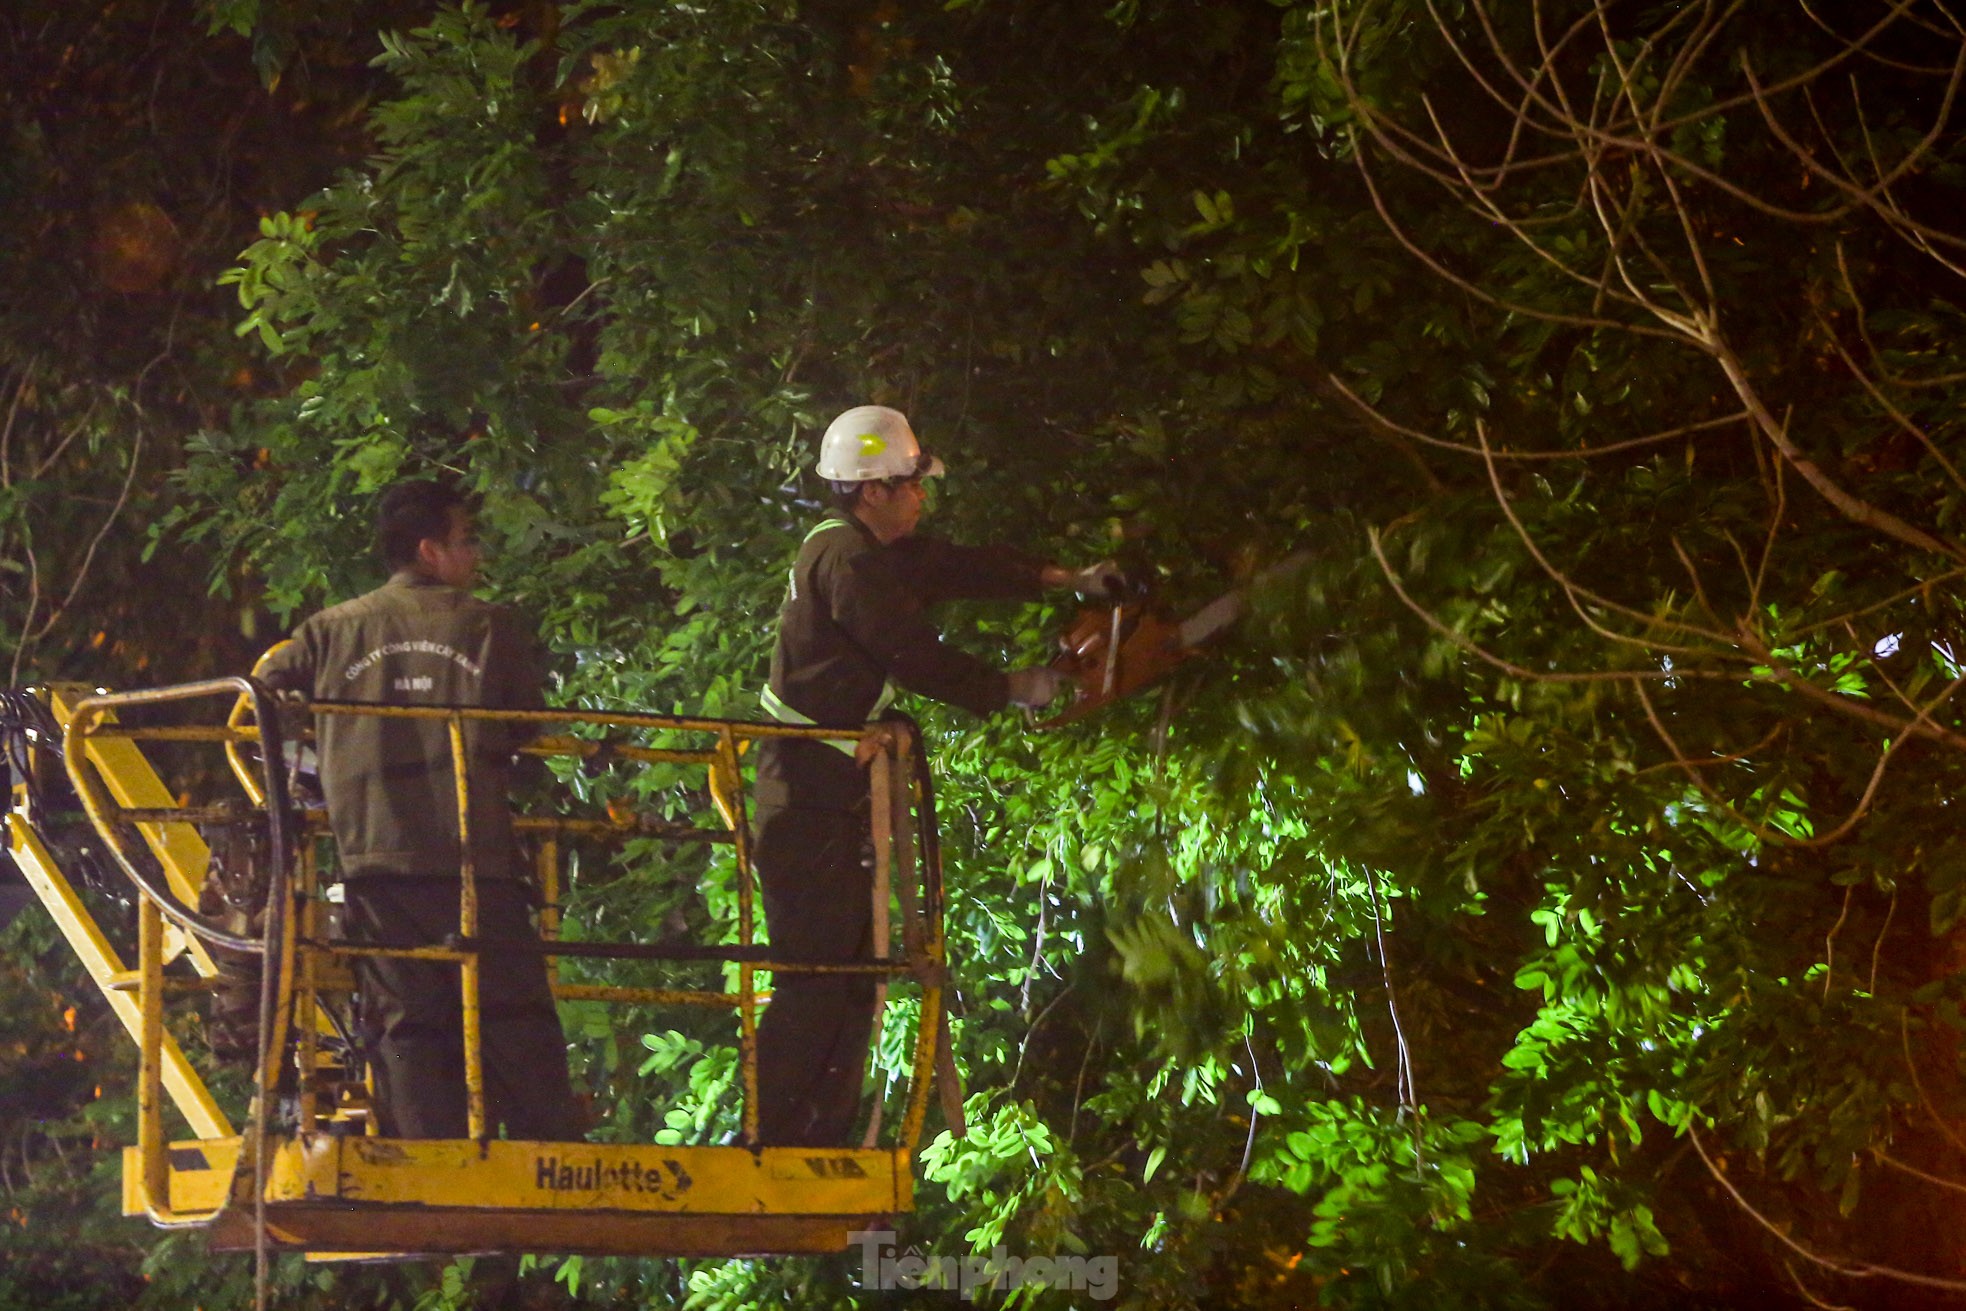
(872, 443)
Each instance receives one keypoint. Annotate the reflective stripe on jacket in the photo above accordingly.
(854, 626)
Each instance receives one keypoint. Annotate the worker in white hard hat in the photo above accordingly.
(853, 631)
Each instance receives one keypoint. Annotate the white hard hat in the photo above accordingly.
(870, 442)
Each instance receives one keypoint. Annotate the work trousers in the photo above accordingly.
(815, 869)
(412, 1014)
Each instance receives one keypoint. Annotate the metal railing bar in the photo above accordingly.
(744, 729)
(458, 949)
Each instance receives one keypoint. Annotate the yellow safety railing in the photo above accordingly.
(104, 778)
(300, 962)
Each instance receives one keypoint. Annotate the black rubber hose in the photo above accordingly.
(274, 927)
(931, 830)
(276, 816)
(180, 914)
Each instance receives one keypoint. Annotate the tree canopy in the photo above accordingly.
(1545, 897)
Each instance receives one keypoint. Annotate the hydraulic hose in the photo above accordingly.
(90, 708)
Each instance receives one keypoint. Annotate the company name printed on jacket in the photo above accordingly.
(420, 646)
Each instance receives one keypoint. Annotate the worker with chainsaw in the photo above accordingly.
(423, 639)
(852, 632)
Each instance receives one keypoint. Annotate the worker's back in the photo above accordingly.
(389, 783)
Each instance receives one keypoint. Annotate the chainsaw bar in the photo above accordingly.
(1109, 653)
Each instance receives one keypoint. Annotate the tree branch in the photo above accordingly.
(1509, 667)
(1877, 947)
(1829, 940)
(1488, 298)
(1918, 725)
(7, 431)
(1809, 1296)
(1851, 507)
(1918, 1085)
(1379, 417)
(1851, 1269)
(1868, 197)
(1884, 402)
(1576, 595)
(88, 560)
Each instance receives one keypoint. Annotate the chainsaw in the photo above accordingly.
(1111, 651)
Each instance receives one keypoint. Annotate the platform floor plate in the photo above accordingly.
(368, 1196)
(325, 1229)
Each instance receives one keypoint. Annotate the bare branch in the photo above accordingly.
(1884, 403)
(1921, 718)
(1877, 355)
(1926, 248)
(61, 448)
(1384, 128)
(1692, 326)
(1399, 438)
(1890, 209)
(1415, 151)
(1916, 1173)
(1868, 197)
(1809, 1296)
(1547, 51)
(1488, 209)
(1567, 119)
(1919, 725)
(1762, 832)
(1774, 530)
(1488, 298)
(1829, 940)
(88, 560)
(1882, 674)
(1689, 55)
(1693, 573)
(1746, 753)
(1664, 159)
(1877, 947)
(1916, 589)
(1847, 1267)
(33, 599)
(1696, 249)
(1379, 417)
(1918, 1085)
(1803, 78)
(7, 431)
(1509, 667)
(1409, 1093)
(1851, 507)
(1577, 595)
(1031, 1028)
(1526, 85)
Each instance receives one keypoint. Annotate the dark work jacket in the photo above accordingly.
(854, 617)
(389, 783)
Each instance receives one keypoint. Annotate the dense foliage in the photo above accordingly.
(135, 150)
(1545, 897)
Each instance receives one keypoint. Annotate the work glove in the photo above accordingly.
(1103, 579)
(1035, 687)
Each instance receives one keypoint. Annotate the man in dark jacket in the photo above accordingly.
(423, 639)
(852, 628)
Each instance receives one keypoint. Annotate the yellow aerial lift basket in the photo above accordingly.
(307, 1172)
